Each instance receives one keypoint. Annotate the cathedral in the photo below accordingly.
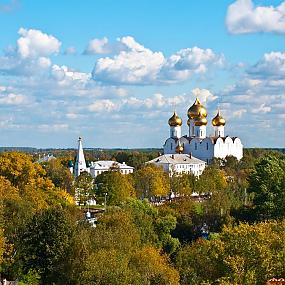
(197, 143)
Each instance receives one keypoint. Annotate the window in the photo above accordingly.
(171, 146)
(207, 146)
(195, 146)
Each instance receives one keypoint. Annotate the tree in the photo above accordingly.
(182, 183)
(59, 174)
(153, 267)
(84, 188)
(244, 254)
(151, 181)
(45, 243)
(117, 186)
(267, 183)
(154, 226)
(19, 169)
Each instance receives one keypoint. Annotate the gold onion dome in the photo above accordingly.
(179, 148)
(196, 109)
(218, 120)
(175, 120)
(200, 120)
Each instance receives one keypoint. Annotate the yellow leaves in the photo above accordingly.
(153, 266)
(65, 196)
(151, 181)
(241, 255)
(145, 266)
(19, 168)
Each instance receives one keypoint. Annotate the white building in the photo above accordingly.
(96, 167)
(196, 141)
(179, 163)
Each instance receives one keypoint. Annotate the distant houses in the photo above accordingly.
(95, 167)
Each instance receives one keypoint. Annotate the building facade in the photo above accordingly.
(197, 142)
(95, 167)
(179, 163)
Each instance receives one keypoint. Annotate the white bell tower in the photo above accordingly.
(80, 163)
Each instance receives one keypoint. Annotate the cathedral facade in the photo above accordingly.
(196, 142)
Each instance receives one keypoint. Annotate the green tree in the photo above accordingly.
(59, 174)
(267, 183)
(182, 183)
(151, 181)
(241, 255)
(84, 187)
(117, 186)
(45, 243)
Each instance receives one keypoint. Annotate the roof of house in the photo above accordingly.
(176, 159)
(106, 164)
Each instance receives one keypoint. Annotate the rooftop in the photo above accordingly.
(177, 158)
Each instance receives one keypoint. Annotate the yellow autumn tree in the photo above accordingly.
(151, 181)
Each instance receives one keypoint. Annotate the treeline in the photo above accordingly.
(45, 238)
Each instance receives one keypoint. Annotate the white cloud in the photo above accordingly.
(271, 65)
(64, 75)
(103, 106)
(244, 17)
(52, 127)
(239, 113)
(261, 109)
(35, 43)
(98, 46)
(204, 95)
(139, 65)
(135, 64)
(13, 99)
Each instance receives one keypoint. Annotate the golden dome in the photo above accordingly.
(200, 120)
(179, 148)
(195, 109)
(175, 121)
(218, 120)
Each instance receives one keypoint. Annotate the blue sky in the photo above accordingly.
(113, 71)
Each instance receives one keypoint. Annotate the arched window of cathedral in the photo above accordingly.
(171, 146)
(192, 130)
(195, 146)
(207, 146)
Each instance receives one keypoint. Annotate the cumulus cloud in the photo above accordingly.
(103, 105)
(31, 56)
(189, 61)
(244, 17)
(98, 46)
(34, 43)
(139, 65)
(271, 65)
(204, 95)
(63, 74)
(136, 64)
